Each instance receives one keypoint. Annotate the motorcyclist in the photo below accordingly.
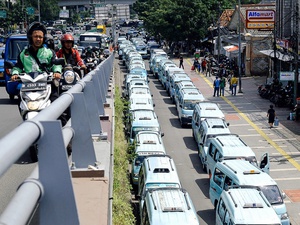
(69, 53)
(37, 57)
(89, 52)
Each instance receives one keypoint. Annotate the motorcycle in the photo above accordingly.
(34, 93)
(91, 63)
(34, 96)
(70, 76)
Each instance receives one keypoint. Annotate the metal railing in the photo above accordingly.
(51, 189)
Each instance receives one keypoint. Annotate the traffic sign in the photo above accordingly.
(3, 13)
(30, 10)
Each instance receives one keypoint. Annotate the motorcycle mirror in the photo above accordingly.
(60, 61)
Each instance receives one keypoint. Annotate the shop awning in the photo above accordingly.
(231, 48)
(279, 55)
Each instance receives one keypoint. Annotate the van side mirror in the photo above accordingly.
(228, 124)
(283, 195)
(162, 134)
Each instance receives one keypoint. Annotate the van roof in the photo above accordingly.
(249, 206)
(192, 94)
(170, 206)
(141, 103)
(232, 146)
(144, 118)
(161, 169)
(246, 173)
(209, 110)
(149, 141)
(216, 126)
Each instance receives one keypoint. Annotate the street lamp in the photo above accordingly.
(239, 56)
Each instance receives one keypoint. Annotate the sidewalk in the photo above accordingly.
(249, 89)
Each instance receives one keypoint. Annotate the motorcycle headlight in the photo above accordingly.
(69, 77)
(33, 105)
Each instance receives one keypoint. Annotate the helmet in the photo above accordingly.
(50, 41)
(35, 26)
(89, 48)
(67, 37)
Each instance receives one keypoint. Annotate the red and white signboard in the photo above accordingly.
(260, 19)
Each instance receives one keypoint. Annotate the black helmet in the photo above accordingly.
(35, 26)
(50, 41)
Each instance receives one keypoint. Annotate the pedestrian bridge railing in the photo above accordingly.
(49, 186)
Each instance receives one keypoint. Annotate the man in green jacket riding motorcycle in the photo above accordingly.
(37, 57)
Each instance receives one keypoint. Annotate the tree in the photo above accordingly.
(177, 20)
(49, 9)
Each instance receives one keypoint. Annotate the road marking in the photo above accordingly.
(278, 170)
(249, 135)
(259, 130)
(284, 179)
(287, 139)
(291, 153)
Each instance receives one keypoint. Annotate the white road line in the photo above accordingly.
(290, 153)
(278, 170)
(249, 135)
(287, 139)
(238, 125)
(290, 178)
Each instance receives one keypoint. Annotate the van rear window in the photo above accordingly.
(15, 47)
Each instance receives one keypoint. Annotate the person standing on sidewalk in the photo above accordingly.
(203, 65)
(181, 62)
(271, 116)
(216, 86)
(222, 85)
(233, 83)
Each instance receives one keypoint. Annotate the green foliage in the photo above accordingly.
(122, 211)
(177, 20)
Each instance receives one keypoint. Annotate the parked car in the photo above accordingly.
(2, 79)
(14, 45)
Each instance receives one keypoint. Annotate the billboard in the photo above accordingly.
(64, 14)
(262, 19)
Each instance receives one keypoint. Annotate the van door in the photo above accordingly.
(264, 164)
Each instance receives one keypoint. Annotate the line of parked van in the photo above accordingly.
(162, 200)
(241, 189)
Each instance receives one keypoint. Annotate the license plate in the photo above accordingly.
(34, 86)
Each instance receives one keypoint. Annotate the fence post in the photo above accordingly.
(83, 153)
(57, 205)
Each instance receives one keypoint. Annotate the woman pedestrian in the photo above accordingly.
(271, 116)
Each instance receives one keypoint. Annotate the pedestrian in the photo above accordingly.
(271, 116)
(230, 75)
(233, 83)
(203, 65)
(216, 86)
(222, 85)
(196, 64)
(208, 71)
(181, 62)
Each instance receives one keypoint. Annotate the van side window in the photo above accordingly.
(222, 210)
(145, 217)
(218, 177)
(227, 182)
(218, 155)
(212, 150)
(227, 220)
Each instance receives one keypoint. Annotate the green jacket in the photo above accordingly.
(27, 63)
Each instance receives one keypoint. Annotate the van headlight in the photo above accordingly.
(284, 216)
(69, 77)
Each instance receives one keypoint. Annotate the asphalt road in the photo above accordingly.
(246, 114)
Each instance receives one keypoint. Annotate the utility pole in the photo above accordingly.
(275, 53)
(239, 56)
(219, 35)
(296, 55)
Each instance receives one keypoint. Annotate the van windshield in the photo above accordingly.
(190, 104)
(136, 130)
(272, 193)
(162, 185)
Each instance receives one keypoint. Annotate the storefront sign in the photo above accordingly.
(260, 19)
